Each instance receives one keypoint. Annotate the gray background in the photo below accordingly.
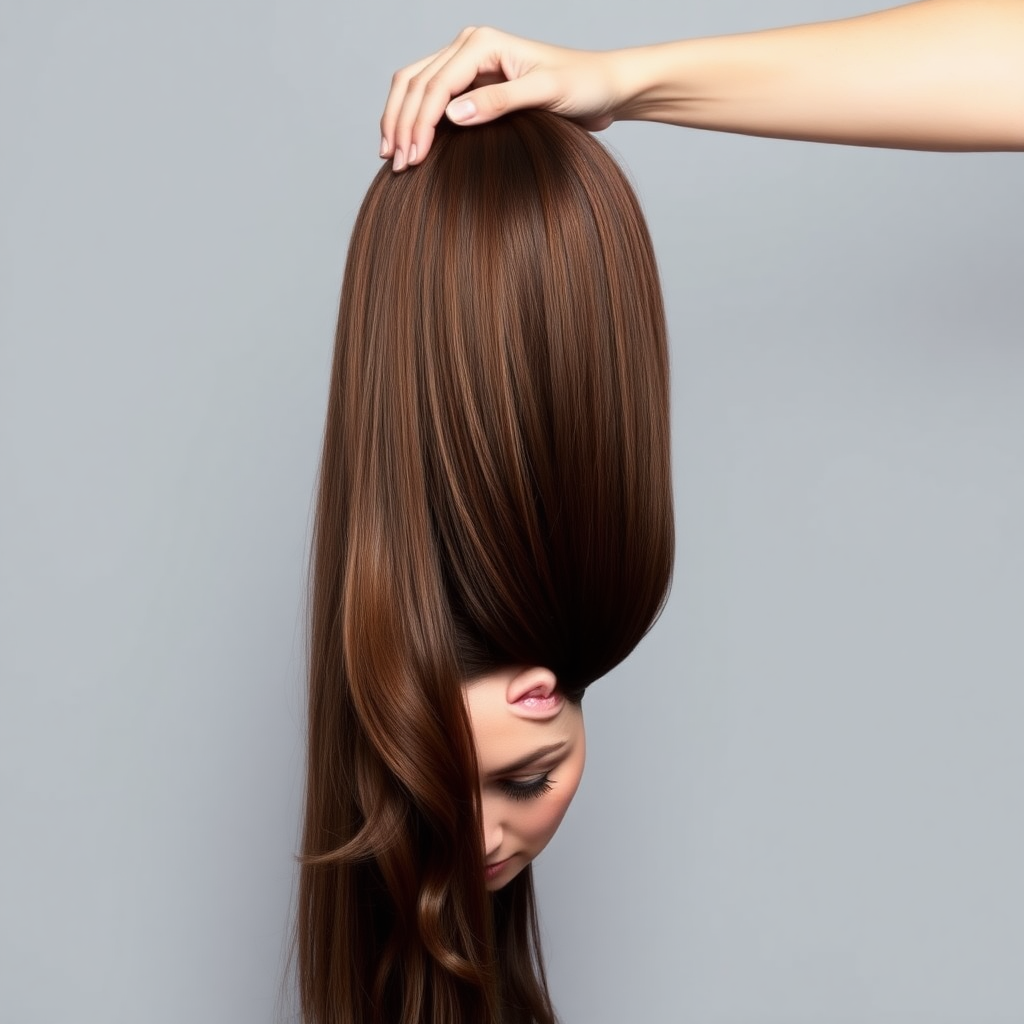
(803, 801)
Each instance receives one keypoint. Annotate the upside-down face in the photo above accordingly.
(530, 748)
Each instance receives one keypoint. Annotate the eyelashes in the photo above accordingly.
(526, 790)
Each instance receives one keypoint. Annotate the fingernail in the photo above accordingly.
(383, 146)
(412, 153)
(399, 161)
(461, 110)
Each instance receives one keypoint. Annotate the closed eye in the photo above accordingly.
(517, 790)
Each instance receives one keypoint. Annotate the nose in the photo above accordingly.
(493, 832)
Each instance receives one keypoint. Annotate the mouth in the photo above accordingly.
(491, 871)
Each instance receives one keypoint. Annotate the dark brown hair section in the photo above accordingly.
(494, 491)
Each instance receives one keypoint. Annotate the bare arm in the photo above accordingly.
(937, 74)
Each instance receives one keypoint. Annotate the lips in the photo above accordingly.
(492, 870)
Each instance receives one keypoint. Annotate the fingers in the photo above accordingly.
(396, 97)
(399, 100)
(421, 92)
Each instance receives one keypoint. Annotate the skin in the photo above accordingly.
(515, 713)
(933, 75)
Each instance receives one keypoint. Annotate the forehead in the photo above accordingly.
(502, 735)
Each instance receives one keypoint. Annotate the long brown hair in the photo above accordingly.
(494, 491)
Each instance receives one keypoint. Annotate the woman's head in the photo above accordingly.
(494, 499)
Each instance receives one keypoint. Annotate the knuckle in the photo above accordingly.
(433, 88)
(499, 99)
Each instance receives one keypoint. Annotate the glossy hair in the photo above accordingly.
(494, 491)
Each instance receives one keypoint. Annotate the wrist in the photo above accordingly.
(652, 81)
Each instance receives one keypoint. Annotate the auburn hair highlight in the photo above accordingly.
(494, 491)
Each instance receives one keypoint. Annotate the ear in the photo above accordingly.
(531, 693)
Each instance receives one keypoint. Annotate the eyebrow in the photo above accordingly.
(525, 762)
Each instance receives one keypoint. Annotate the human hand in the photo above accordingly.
(503, 73)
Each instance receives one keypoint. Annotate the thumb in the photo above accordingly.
(490, 101)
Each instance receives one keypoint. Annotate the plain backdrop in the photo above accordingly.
(803, 800)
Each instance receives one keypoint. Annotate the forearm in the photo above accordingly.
(938, 74)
